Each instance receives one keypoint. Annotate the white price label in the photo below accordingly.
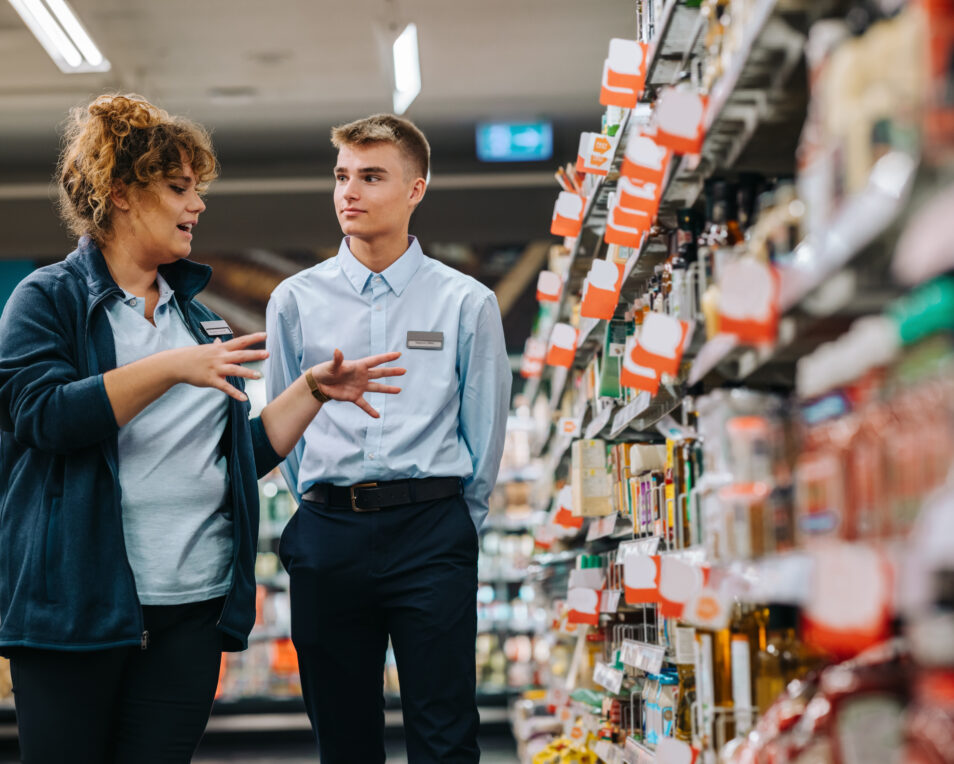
(609, 602)
(646, 657)
(602, 527)
(588, 578)
(608, 677)
(595, 427)
(631, 410)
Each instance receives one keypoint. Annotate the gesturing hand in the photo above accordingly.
(350, 380)
(209, 365)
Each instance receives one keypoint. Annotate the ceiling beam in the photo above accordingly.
(519, 277)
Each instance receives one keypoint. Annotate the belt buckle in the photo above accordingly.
(354, 506)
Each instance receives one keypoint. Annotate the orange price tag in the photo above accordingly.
(567, 214)
(594, 153)
(584, 606)
(749, 301)
(601, 290)
(679, 118)
(633, 374)
(562, 348)
(641, 578)
(662, 342)
(549, 285)
(679, 582)
(624, 73)
(645, 159)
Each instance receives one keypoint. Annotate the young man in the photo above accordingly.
(385, 541)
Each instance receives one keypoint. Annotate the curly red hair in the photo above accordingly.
(124, 138)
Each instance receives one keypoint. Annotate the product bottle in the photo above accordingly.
(687, 697)
(748, 634)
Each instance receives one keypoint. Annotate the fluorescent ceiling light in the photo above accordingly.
(64, 38)
(407, 69)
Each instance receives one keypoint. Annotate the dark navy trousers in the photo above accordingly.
(407, 572)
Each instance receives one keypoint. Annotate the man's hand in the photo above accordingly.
(349, 380)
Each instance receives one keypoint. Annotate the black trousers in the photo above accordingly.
(125, 705)
(410, 573)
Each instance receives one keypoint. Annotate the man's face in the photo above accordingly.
(375, 191)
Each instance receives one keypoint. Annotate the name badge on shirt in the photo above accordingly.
(425, 340)
(215, 328)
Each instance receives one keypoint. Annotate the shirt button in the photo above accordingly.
(134, 302)
(371, 456)
(377, 307)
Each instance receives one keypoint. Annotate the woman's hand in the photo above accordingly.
(209, 365)
(349, 380)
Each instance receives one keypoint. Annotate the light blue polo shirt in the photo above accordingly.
(173, 476)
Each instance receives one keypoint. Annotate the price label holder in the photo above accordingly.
(584, 606)
(631, 410)
(595, 427)
(608, 677)
(643, 656)
(602, 527)
(609, 601)
(589, 578)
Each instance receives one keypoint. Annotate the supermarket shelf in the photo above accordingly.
(860, 222)
(753, 97)
(513, 523)
(675, 29)
(637, 753)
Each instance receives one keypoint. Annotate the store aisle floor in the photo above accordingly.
(495, 750)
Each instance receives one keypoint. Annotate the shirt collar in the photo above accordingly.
(397, 275)
(165, 293)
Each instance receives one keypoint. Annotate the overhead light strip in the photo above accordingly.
(407, 69)
(64, 38)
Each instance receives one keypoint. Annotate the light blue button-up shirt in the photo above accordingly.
(172, 471)
(450, 417)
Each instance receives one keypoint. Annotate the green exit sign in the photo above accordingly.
(514, 141)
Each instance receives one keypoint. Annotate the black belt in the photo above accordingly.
(370, 497)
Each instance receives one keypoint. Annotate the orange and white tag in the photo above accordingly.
(567, 214)
(562, 347)
(595, 153)
(584, 606)
(710, 608)
(662, 342)
(624, 73)
(570, 427)
(534, 351)
(641, 197)
(680, 117)
(850, 605)
(601, 289)
(641, 578)
(645, 159)
(564, 516)
(634, 375)
(679, 582)
(549, 285)
(749, 301)
(625, 227)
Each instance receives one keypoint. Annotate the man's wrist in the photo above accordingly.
(315, 388)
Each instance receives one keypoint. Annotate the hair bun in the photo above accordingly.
(122, 113)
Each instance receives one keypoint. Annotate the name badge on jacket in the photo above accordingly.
(215, 328)
(425, 340)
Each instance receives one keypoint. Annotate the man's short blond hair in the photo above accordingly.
(386, 128)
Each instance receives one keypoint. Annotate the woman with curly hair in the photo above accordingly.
(128, 462)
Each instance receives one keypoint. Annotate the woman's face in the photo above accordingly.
(162, 217)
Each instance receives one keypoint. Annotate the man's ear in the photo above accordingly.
(119, 195)
(417, 191)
